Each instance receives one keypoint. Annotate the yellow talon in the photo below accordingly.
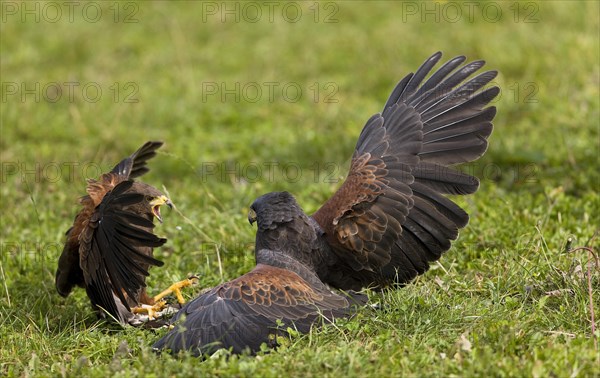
(176, 288)
(160, 303)
(150, 310)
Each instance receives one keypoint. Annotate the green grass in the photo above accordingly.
(506, 300)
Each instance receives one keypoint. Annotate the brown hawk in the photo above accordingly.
(383, 226)
(110, 245)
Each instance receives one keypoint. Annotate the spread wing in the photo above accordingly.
(69, 272)
(390, 217)
(363, 219)
(110, 249)
(129, 168)
(246, 312)
(135, 165)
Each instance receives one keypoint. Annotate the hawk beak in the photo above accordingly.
(251, 216)
(156, 203)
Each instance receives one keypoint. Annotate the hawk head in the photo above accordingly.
(273, 209)
(153, 200)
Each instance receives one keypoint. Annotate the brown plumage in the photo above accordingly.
(384, 225)
(109, 248)
(242, 314)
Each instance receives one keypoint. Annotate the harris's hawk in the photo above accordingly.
(384, 225)
(109, 248)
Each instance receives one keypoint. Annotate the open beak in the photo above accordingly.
(156, 203)
(251, 216)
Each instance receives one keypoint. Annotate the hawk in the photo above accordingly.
(109, 248)
(386, 223)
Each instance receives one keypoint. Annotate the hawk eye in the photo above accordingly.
(149, 198)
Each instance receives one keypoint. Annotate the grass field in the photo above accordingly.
(251, 98)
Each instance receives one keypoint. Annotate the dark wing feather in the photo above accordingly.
(244, 313)
(407, 86)
(109, 250)
(135, 165)
(362, 220)
(390, 217)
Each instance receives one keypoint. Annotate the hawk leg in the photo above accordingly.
(151, 310)
(176, 288)
(154, 306)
